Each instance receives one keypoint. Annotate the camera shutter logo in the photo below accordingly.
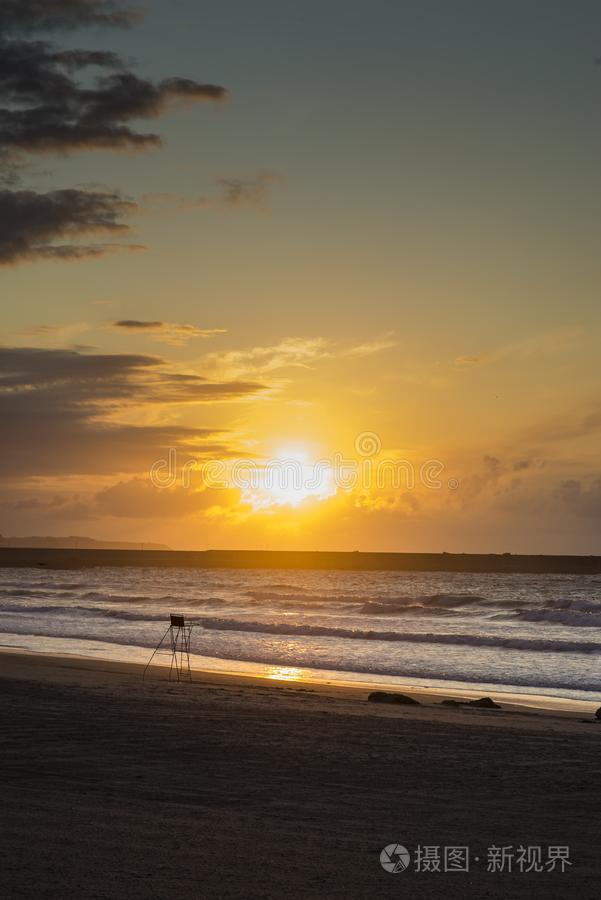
(395, 858)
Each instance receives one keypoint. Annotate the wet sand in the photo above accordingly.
(234, 787)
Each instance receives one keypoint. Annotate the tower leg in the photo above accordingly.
(155, 651)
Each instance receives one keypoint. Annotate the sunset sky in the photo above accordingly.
(361, 218)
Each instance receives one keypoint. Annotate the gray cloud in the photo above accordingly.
(31, 222)
(50, 111)
(581, 498)
(56, 408)
(55, 100)
(137, 325)
(246, 191)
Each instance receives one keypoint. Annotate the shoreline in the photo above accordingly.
(428, 697)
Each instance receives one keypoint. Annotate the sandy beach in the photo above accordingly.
(231, 787)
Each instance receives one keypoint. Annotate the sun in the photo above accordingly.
(289, 479)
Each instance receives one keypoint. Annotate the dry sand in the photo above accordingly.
(245, 788)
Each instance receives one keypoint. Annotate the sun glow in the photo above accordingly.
(289, 479)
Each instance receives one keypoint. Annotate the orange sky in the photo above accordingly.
(304, 268)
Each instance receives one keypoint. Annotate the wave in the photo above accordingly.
(50, 585)
(101, 597)
(25, 592)
(271, 657)
(91, 611)
(97, 612)
(315, 599)
(472, 640)
(400, 602)
(375, 608)
(460, 676)
(540, 645)
(171, 600)
(574, 618)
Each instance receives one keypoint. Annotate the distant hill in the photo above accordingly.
(74, 542)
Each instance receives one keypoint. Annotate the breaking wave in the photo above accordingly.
(472, 640)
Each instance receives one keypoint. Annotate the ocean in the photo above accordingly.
(531, 634)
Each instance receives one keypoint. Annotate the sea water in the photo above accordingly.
(526, 633)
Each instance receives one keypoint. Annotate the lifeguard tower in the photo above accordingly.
(179, 634)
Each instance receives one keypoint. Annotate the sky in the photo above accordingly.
(238, 235)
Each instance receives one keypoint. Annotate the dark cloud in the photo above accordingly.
(49, 110)
(58, 411)
(31, 222)
(61, 14)
(55, 100)
(137, 325)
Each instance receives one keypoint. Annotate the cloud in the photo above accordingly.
(50, 111)
(291, 352)
(232, 192)
(569, 425)
(60, 335)
(369, 348)
(31, 223)
(252, 192)
(581, 498)
(55, 100)
(65, 412)
(261, 360)
(62, 14)
(524, 348)
(137, 325)
(467, 360)
(173, 333)
(139, 498)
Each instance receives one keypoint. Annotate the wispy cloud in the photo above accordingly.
(566, 426)
(525, 348)
(172, 333)
(231, 192)
(371, 347)
(250, 192)
(290, 353)
(467, 360)
(58, 335)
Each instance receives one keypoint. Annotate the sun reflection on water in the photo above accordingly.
(284, 673)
